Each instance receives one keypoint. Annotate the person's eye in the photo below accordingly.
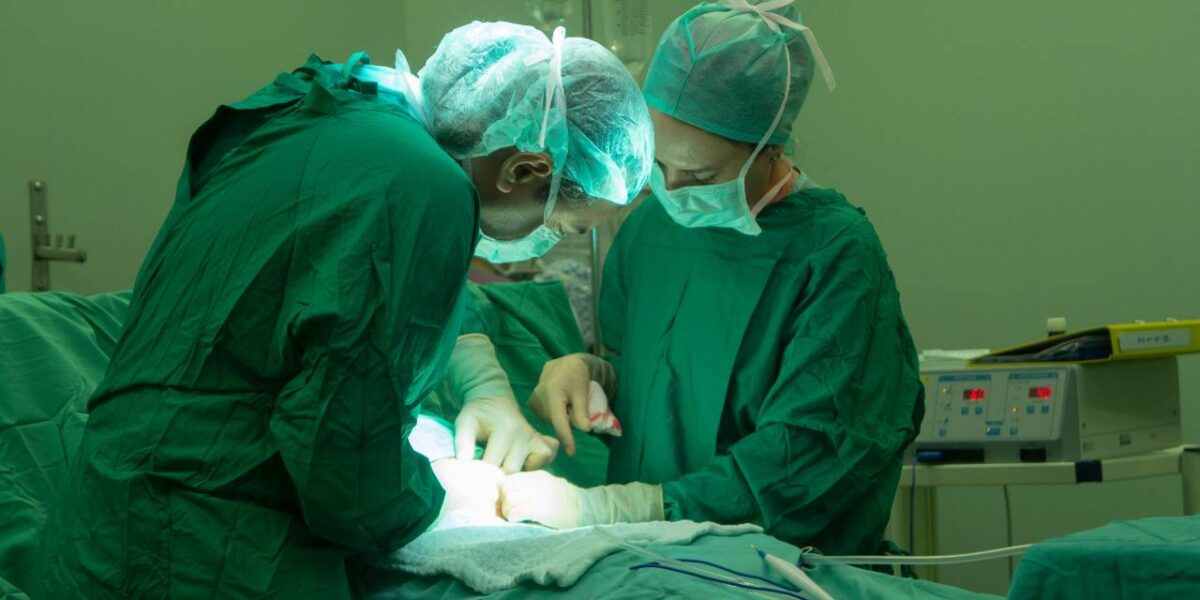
(703, 180)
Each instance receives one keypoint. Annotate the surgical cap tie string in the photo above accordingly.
(766, 199)
(774, 20)
(553, 80)
(554, 91)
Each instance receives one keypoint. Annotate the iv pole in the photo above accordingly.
(597, 337)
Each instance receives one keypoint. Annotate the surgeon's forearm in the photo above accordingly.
(602, 372)
(474, 371)
(716, 492)
(368, 504)
(621, 503)
(794, 480)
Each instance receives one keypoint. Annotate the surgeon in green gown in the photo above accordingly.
(249, 439)
(761, 365)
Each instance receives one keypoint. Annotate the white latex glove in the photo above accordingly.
(512, 443)
(432, 438)
(472, 487)
(541, 497)
(490, 413)
(562, 392)
(556, 502)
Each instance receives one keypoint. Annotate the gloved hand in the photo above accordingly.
(541, 497)
(561, 395)
(490, 413)
(556, 502)
(512, 443)
(472, 489)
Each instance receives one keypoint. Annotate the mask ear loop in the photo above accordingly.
(774, 20)
(787, 88)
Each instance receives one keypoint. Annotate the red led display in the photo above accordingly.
(1041, 392)
(974, 394)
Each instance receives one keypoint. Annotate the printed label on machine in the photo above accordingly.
(1157, 339)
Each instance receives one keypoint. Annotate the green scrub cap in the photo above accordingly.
(721, 67)
(485, 88)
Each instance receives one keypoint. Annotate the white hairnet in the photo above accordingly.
(484, 89)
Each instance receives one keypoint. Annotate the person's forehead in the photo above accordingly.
(685, 146)
(584, 218)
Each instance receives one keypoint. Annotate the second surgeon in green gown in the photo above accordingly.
(762, 368)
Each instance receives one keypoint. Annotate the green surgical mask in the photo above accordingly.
(721, 204)
(536, 244)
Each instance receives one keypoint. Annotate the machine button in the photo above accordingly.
(993, 431)
(966, 410)
(1029, 409)
(942, 432)
(1012, 431)
(979, 410)
(1045, 409)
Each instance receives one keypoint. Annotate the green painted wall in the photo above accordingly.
(1021, 159)
(100, 98)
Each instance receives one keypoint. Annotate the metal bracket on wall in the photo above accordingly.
(39, 230)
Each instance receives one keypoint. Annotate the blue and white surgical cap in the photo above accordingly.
(489, 86)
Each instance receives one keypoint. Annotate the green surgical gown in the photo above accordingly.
(54, 348)
(1157, 557)
(769, 379)
(249, 439)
